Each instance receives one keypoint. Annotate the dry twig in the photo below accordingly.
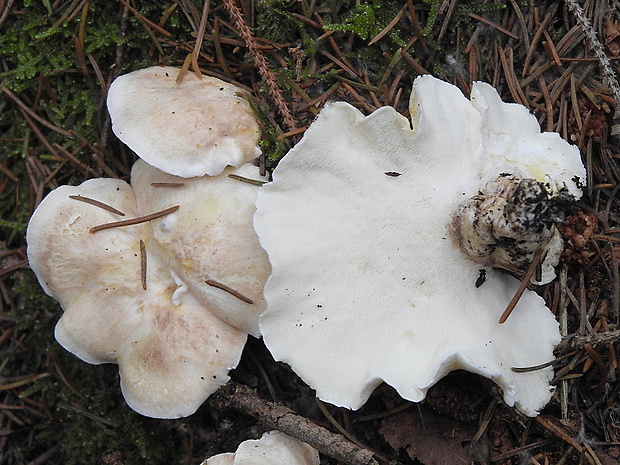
(609, 74)
(277, 416)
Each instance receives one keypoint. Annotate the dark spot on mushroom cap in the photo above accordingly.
(577, 181)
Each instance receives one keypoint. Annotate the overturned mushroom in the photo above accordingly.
(273, 448)
(368, 278)
(127, 267)
(191, 128)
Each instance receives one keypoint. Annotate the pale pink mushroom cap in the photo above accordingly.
(210, 238)
(194, 128)
(172, 347)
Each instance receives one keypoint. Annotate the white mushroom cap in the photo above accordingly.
(197, 127)
(273, 448)
(210, 238)
(227, 458)
(172, 348)
(367, 283)
(511, 137)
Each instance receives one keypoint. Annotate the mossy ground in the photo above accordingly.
(57, 60)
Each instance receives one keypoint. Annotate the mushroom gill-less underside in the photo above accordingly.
(368, 282)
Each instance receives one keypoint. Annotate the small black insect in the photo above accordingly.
(482, 277)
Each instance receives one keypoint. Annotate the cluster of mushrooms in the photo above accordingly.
(374, 255)
(163, 276)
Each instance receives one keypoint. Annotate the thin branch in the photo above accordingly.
(609, 75)
(277, 416)
(575, 341)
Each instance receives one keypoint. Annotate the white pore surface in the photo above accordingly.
(367, 284)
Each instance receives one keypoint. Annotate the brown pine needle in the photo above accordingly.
(143, 264)
(33, 115)
(555, 361)
(533, 368)
(23, 381)
(342, 430)
(558, 432)
(230, 290)
(138, 15)
(200, 39)
(294, 132)
(524, 282)
(488, 22)
(167, 184)
(184, 68)
(389, 27)
(97, 203)
(132, 221)
(256, 182)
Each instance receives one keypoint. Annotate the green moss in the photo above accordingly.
(459, 17)
(270, 144)
(275, 24)
(433, 12)
(41, 68)
(89, 428)
(13, 225)
(367, 19)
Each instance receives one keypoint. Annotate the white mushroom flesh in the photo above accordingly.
(368, 284)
